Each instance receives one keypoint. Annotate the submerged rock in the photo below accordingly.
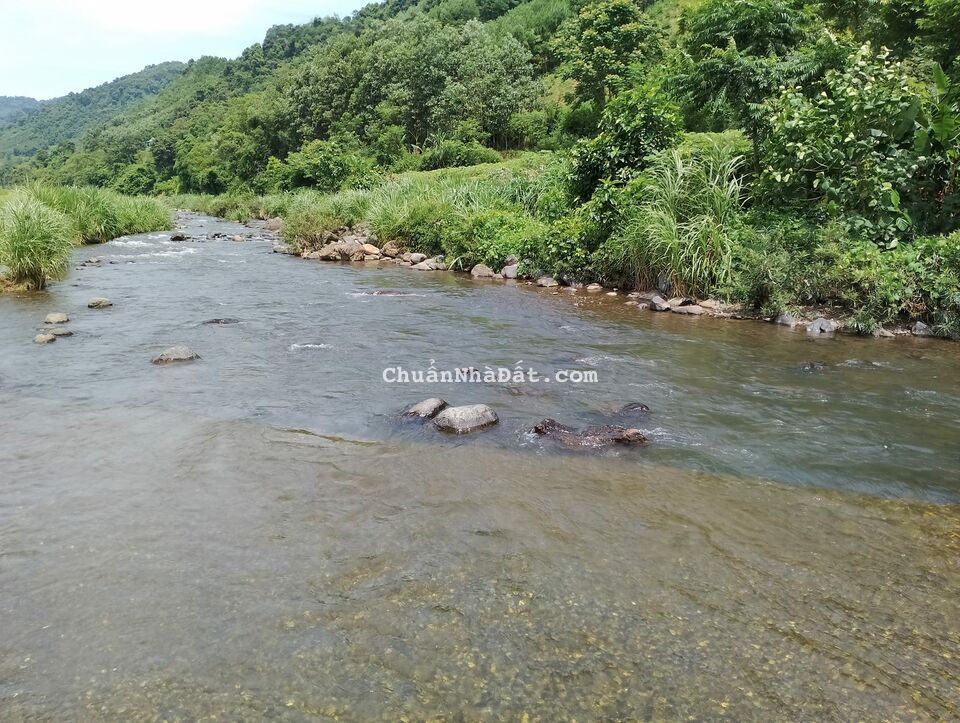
(174, 354)
(44, 338)
(822, 325)
(99, 303)
(633, 409)
(468, 418)
(427, 409)
(178, 236)
(481, 271)
(810, 367)
(589, 437)
(56, 318)
(222, 322)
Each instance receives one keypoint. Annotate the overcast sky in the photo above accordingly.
(51, 47)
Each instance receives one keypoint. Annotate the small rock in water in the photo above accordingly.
(222, 322)
(99, 303)
(547, 282)
(481, 271)
(921, 329)
(822, 325)
(692, 309)
(175, 354)
(427, 409)
(594, 287)
(60, 331)
(178, 237)
(468, 418)
(809, 367)
(44, 338)
(56, 318)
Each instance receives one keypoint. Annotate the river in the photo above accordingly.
(256, 534)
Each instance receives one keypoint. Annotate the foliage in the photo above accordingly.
(598, 46)
(34, 241)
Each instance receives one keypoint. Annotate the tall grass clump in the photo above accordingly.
(685, 226)
(35, 242)
(97, 215)
(310, 216)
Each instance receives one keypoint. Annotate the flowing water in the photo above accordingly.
(256, 534)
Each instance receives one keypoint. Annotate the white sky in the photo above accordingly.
(51, 47)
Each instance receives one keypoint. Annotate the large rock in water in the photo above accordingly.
(56, 318)
(510, 271)
(921, 329)
(174, 354)
(658, 303)
(390, 250)
(99, 303)
(481, 271)
(417, 258)
(44, 339)
(427, 409)
(348, 249)
(469, 418)
(822, 325)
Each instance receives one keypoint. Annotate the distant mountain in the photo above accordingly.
(15, 108)
(28, 126)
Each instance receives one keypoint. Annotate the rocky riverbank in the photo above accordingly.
(360, 245)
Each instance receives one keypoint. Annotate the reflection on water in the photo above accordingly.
(255, 535)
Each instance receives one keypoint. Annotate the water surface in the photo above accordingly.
(255, 534)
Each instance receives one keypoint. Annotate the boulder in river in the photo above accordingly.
(179, 236)
(417, 258)
(589, 437)
(511, 271)
(175, 354)
(468, 418)
(390, 250)
(822, 325)
(56, 318)
(370, 250)
(99, 303)
(678, 301)
(427, 409)
(481, 271)
(44, 338)
(547, 282)
(658, 303)
(60, 331)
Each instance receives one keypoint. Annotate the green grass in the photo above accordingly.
(40, 223)
(34, 241)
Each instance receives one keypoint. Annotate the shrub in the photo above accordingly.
(449, 153)
(683, 228)
(34, 241)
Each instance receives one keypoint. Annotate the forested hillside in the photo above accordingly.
(770, 151)
(31, 126)
(15, 108)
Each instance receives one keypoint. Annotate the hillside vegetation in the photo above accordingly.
(776, 153)
(32, 126)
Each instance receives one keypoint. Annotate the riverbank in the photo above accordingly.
(772, 266)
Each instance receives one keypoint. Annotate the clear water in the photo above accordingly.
(257, 535)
